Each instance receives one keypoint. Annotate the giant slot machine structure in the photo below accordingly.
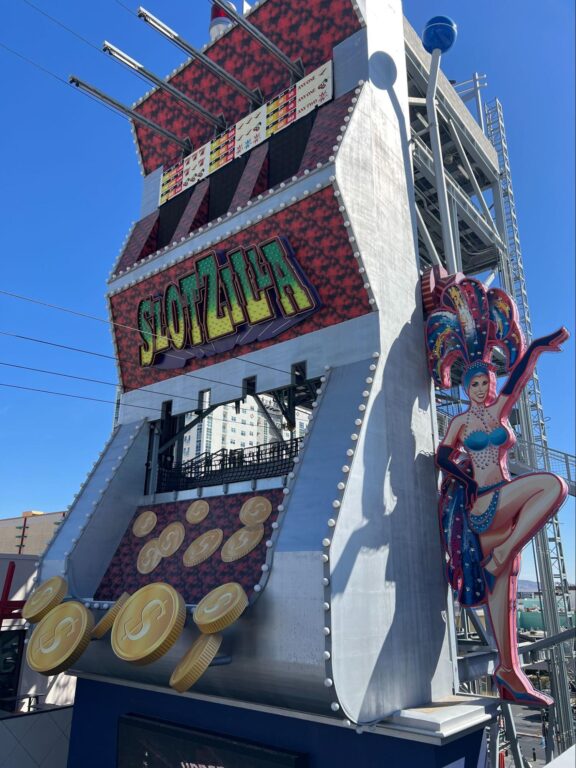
(262, 608)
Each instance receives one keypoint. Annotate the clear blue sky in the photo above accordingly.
(71, 188)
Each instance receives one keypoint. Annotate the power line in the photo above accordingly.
(69, 311)
(77, 397)
(49, 72)
(97, 381)
(101, 354)
(109, 357)
(35, 64)
(130, 11)
(79, 37)
(62, 25)
(106, 383)
(92, 381)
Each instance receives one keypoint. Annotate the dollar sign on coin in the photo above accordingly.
(47, 596)
(148, 624)
(220, 608)
(203, 547)
(241, 543)
(60, 638)
(144, 524)
(148, 557)
(171, 538)
(197, 511)
(255, 510)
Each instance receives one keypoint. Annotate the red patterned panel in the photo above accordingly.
(194, 582)
(141, 243)
(306, 29)
(324, 132)
(319, 239)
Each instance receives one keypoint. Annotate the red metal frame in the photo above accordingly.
(9, 609)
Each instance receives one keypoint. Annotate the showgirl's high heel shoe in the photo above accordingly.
(527, 696)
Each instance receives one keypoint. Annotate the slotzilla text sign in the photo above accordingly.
(229, 298)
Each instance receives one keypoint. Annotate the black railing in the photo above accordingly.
(230, 466)
(9, 704)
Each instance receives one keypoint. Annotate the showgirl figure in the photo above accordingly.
(486, 517)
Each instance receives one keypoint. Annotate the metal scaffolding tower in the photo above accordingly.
(549, 553)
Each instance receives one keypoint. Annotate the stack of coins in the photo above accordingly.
(217, 610)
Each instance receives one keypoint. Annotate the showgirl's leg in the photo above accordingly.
(527, 502)
(513, 684)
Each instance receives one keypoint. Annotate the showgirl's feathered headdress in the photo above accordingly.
(467, 323)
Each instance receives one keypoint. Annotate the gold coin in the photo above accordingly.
(255, 510)
(197, 511)
(148, 557)
(220, 608)
(148, 624)
(60, 639)
(202, 547)
(144, 524)
(107, 620)
(242, 542)
(171, 538)
(47, 596)
(193, 665)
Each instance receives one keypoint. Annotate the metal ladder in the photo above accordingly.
(548, 542)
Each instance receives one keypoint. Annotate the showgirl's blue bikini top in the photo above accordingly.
(478, 441)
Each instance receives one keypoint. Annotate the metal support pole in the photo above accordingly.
(211, 66)
(494, 730)
(557, 660)
(439, 178)
(455, 233)
(154, 455)
(185, 145)
(478, 96)
(268, 418)
(485, 634)
(296, 70)
(549, 740)
(187, 427)
(490, 279)
(512, 735)
(135, 66)
(423, 229)
(470, 172)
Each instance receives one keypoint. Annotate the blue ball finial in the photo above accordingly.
(440, 32)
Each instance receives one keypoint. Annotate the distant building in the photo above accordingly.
(531, 617)
(225, 428)
(572, 596)
(28, 534)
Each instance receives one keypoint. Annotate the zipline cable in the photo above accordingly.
(77, 397)
(46, 304)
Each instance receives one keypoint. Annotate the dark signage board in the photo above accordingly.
(11, 649)
(144, 743)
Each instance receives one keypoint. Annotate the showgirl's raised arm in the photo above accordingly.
(524, 368)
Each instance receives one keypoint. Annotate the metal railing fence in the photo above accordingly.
(230, 466)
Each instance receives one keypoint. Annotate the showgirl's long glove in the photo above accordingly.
(444, 461)
(524, 367)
